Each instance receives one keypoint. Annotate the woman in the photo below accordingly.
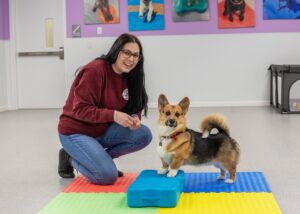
(101, 119)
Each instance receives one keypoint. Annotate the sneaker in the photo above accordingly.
(120, 174)
(65, 168)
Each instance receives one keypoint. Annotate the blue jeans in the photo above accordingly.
(93, 157)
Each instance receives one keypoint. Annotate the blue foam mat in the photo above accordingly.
(207, 182)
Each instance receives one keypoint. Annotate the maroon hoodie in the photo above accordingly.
(94, 95)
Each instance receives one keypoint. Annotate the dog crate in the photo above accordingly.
(285, 88)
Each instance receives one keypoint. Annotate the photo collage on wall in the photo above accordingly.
(282, 9)
(146, 15)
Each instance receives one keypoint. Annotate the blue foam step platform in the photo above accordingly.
(207, 182)
(153, 190)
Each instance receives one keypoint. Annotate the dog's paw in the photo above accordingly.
(149, 18)
(172, 173)
(221, 177)
(229, 181)
(162, 171)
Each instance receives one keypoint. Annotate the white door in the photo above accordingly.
(39, 28)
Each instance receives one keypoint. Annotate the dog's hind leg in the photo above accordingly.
(222, 174)
(222, 171)
(232, 172)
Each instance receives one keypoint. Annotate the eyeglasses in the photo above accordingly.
(127, 54)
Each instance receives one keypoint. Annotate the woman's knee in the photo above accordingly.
(144, 136)
(104, 177)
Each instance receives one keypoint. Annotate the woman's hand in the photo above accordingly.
(137, 122)
(124, 119)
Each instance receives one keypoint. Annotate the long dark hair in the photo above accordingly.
(138, 98)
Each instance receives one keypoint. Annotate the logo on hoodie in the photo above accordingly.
(125, 94)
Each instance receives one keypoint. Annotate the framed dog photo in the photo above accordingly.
(281, 9)
(146, 15)
(101, 11)
(236, 13)
(190, 10)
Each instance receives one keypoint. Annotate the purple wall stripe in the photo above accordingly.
(4, 20)
(75, 16)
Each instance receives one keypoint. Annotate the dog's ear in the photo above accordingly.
(162, 102)
(184, 104)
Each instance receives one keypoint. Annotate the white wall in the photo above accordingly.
(3, 76)
(213, 70)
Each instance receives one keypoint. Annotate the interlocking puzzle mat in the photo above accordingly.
(92, 203)
(207, 182)
(81, 184)
(203, 193)
(224, 203)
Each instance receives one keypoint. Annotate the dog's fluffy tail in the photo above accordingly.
(212, 121)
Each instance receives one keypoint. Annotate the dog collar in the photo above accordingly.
(171, 136)
(168, 137)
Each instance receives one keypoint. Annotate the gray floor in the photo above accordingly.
(270, 143)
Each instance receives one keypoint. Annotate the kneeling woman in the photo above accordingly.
(101, 119)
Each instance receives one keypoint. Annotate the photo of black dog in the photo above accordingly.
(232, 7)
(103, 6)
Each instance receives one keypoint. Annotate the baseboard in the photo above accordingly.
(222, 104)
(193, 104)
(3, 108)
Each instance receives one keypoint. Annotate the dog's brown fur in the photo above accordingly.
(180, 145)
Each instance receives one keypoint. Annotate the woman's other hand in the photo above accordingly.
(137, 122)
(124, 119)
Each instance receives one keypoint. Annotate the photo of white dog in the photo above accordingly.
(146, 7)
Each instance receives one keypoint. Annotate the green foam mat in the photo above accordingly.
(73, 203)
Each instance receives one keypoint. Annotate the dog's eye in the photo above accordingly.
(168, 113)
(177, 114)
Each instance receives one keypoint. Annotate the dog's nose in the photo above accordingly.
(171, 123)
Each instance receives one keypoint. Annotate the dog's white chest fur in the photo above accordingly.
(161, 149)
(163, 142)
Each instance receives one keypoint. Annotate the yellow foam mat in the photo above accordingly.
(224, 203)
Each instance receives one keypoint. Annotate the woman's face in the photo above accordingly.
(127, 59)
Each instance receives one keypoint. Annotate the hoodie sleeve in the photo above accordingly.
(87, 96)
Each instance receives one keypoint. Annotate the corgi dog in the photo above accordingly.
(179, 145)
(146, 7)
